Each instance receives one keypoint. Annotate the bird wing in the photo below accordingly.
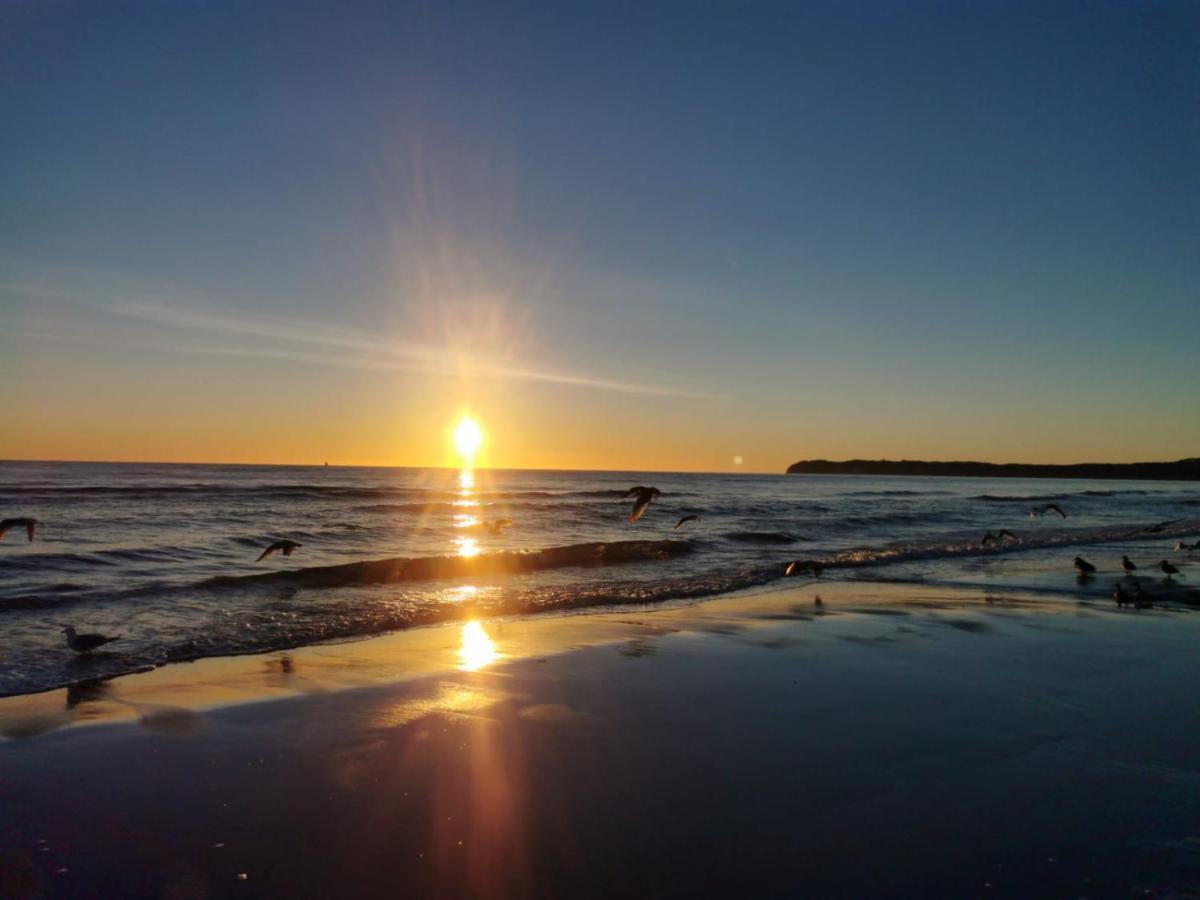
(30, 528)
(267, 552)
(692, 518)
(1058, 509)
(791, 567)
(632, 491)
(643, 501)
(288, 548)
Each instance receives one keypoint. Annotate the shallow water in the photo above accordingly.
(166, 554)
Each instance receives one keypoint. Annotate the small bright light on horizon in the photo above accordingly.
(468, 438)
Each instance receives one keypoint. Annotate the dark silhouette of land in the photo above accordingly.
(1182, 470)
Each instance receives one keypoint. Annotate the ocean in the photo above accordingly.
(166, 555)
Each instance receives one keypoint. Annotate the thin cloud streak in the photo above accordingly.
(397, 355)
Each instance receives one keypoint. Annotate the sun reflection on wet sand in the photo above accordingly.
(477, 650)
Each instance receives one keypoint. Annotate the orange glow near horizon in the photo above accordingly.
(468, 439)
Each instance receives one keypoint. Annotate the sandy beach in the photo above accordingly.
(896, 741)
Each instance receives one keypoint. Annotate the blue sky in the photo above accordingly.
(642, 235)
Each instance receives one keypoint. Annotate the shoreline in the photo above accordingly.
(898, 739)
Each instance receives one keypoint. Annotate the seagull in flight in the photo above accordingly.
(86, 643)
(498, 526)
(643, 497)
(285, 547)
(1084, 567)
(685, 520)
(1157, 528)
(988, 540)
(1008, 536)
(30, 526)
(1049, 507)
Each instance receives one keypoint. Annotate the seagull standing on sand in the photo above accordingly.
(1128, 565)
(1084, 567)
(1168, 569)
(30, 526)
(643, 497)
(284, 547)
(86, 643)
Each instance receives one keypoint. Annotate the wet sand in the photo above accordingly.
(898, 741)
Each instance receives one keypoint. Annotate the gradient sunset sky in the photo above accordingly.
(625, 236)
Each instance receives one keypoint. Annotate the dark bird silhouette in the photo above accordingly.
(644, 495)
(818, 602)
(1049, 507)
(30, 526)
(1168, 569)
(498, 526)
(1128, 565)
(685, 520)
(988, 540)
(1084, 567)
(85, 643)
(284, 547)
(1122, 598)
(1008, 536)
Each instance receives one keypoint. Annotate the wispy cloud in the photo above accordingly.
(327, 345)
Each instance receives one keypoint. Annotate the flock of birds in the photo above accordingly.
(643, 496)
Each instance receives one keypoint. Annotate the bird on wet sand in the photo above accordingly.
(1122, 598)
(85, 643)
(1167, 568)
(1084, 567)
(284, 547)
(1128, 565)
(643, 497)
(30, 526)
(685, 520)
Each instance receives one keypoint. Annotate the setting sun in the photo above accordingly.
(468, 438)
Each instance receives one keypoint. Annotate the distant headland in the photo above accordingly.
(1181, 470)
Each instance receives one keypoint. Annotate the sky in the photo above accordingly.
(621, 235)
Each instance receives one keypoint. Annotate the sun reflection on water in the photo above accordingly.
(477, 650)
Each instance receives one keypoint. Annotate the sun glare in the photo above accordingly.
(468, 438)
(477, 648)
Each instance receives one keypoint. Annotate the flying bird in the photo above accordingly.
(285, 547)
(988, 540)
(1008, 536)
(1158, 527)
(1128, 565)
(643, 497)
(803, 565)
(1168, 569)
(86, 643)
(1049, 507)
(1084, 567)
(498, 526)
(30, 526)
(685, 520)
